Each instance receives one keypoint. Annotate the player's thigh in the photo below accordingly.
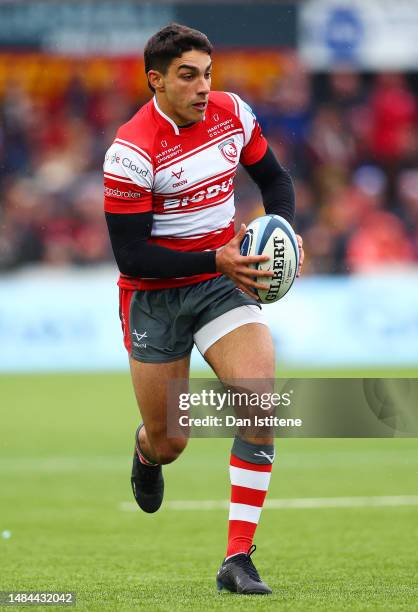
(239, 357)
(151, 382)
(246, 352)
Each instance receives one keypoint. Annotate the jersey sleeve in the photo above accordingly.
(128, 179)
(255, 145)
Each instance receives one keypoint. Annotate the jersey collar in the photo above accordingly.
(169, 120)
(166, 117)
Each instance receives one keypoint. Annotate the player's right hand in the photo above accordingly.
(230, 262)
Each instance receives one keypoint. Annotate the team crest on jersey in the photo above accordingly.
(229, 150)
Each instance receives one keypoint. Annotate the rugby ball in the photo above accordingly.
(273, 236)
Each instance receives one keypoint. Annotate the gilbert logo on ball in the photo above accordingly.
(273, 236)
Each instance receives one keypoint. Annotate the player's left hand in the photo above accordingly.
(301, 253)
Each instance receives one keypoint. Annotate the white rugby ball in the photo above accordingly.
(273, 236)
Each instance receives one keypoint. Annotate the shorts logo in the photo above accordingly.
(139, 337)
(229, 151)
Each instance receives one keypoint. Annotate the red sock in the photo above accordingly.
(249, 483)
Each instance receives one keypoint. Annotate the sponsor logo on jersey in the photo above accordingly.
(204, 194)
(115, 158)
(167, 154)
(128, 163)
(178, 176)
(229, 150)
(125, 195)
(220, 128)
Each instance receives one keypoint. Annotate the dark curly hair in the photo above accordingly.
(171, 42)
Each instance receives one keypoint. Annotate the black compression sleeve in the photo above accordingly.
(275, 185)
(136, 256)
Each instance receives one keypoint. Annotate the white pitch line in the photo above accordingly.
(283, 504)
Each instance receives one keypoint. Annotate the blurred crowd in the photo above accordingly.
(349, 140)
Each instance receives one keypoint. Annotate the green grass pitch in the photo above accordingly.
(65, 455)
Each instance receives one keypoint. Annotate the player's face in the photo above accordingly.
(182, 93)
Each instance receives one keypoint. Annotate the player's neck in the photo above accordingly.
(165, 107)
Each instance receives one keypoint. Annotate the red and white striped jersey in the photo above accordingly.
(185, 176)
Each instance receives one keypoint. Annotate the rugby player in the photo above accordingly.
(169, 205)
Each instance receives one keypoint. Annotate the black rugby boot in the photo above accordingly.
(239, 575)
(147, 482)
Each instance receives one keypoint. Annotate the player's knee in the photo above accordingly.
(169, 450)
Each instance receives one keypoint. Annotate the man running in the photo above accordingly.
(169, 204)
